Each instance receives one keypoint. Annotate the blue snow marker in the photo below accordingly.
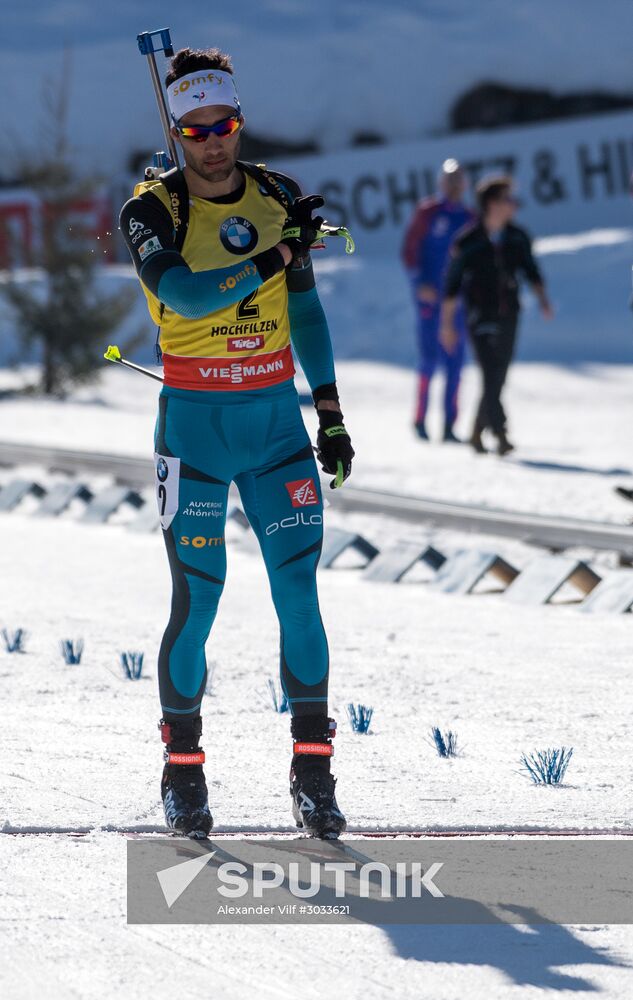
(359, 717)
(71, 650)
(132, 664)
(13, 641)
(547, 767)
(445, 743)
(278, 697)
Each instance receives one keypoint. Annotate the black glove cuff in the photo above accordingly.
(268, 263)
(329, 418)
(327, 391)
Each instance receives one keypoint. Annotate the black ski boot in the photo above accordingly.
(450, 437)
(476, 441)
(504, 447)
(183, 788)
(314, 806)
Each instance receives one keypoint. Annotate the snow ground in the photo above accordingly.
(505, 678)
(570, 425)
(93, 756)
(395, 648)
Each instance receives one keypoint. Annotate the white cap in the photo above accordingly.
(206, 88)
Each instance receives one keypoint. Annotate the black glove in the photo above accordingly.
(334, 446)
(300, 229)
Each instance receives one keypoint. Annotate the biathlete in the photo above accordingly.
(222, 251)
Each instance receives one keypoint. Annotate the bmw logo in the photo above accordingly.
(162, 469)
(238, 235)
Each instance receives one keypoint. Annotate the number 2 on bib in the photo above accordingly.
(246, 308)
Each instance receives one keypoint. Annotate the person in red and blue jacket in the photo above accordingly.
(425, 253)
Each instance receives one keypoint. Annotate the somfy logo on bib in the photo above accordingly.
(238, 235)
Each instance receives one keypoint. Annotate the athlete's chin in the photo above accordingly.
(217, 172)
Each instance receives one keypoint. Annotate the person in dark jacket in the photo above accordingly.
(487, 257)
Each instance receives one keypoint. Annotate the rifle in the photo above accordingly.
(148, 47)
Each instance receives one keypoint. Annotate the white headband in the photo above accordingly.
(205, 88)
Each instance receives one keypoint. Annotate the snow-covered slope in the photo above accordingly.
(306, 71)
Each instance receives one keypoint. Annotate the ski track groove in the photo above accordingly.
(143, 830)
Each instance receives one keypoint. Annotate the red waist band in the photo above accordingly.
(229, 373)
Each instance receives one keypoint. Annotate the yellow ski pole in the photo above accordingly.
(113, 354)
